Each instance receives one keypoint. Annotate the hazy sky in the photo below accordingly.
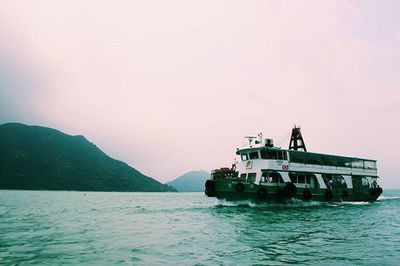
(173, 86)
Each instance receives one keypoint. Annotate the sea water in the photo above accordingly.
(102, 228)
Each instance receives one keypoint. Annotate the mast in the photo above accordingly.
(296, 140)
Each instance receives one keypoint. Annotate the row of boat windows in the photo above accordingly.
(331, 181)
(275, 177)
(271, 177)
(309, 158)
(301, 178)
(335, 181)
(265, 154)
(330, 160)
(249, 176)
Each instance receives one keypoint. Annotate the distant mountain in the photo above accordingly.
(33, 157)
(190, 182)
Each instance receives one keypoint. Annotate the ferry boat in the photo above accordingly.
(268, 173)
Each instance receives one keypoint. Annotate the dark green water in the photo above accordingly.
(52, 228)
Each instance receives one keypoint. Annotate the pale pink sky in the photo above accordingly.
(173, 86)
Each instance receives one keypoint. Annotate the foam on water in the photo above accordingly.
(292, 203)
(381, 198)
(348, 203)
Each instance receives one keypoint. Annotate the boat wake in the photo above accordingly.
(295, 203)
(382, 198)
(292, 203)
(344, 203)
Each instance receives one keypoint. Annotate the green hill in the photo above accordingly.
(33, 157)
(190, 182)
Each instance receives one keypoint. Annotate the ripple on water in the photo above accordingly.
(190, 229)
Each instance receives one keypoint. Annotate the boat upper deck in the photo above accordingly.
(303, 157)
(264, 155)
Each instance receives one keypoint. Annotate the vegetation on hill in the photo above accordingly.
(190, 182)
(33, 157)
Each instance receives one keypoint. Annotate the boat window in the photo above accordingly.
(327, 180)
(338, 181)
(273, 154)
(271, 177)
(312, 180)
(243, 176)
(244, 157)
(374, 184)
(264, 177)
(293, 177)
(357, 164)
(268, 154)
(297, 157)
(334, 181)
(282, 155)
(300, 178)
(252, 177)
(264, 154)
(313, 159)
(333, 160)
(369, 164)
(364, 182)
(253, 155)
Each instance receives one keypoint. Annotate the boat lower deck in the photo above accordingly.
(239, 189)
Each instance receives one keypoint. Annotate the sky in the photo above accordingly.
(173, 86)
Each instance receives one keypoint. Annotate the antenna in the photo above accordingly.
(250, 139)
(260, 138)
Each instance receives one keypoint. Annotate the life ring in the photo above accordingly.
(345, 193)
(262, 193)
(239, 187)
(307, 194)
(328, 194)
(290, 190)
